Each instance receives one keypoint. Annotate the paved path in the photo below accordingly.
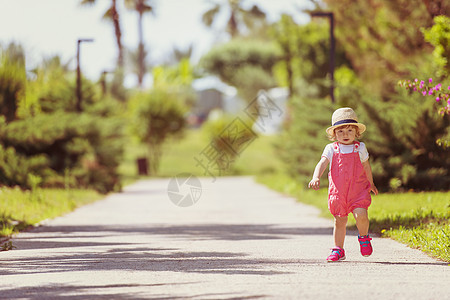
(239, 241)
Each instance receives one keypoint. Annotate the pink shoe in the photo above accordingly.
(366, 246)
(337, 254)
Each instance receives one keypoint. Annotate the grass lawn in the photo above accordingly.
(20, 209)
(420, 220)
(179, 157)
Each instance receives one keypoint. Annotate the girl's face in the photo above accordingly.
(345, 135)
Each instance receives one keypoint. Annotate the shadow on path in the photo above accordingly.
(143, 259)
(227, 232)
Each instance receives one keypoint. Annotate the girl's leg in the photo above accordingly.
(362, 221)
(340, 229)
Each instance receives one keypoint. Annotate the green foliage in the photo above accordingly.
(42, 141)
(246, 64)
(304, 65)
(401, 139)
(381, 39)
(50, 145)
(439, 36)
(302, 143)
(16, 168)
(239, 19)
(12, 80)
(154, 117)
(51, 89)
(381, 43)
(180, 75)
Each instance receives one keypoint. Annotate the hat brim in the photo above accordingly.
(360, 126)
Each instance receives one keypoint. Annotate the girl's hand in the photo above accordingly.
(373, 189)
(314, 183)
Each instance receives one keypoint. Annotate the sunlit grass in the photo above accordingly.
(179, 157)
(20, 209)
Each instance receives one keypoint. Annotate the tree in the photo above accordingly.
(383, 44)
(244, 64)
(439, 37)
(112, 15)
(156, 116)
(382, 38)
(180, 54)
(141, 6)
(239, 18)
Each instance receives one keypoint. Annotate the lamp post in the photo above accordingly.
(330, 17)
(79, 95)
(103, 81)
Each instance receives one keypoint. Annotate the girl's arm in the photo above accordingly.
(368, 170)
(318, 171)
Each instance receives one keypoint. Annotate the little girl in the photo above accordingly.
(350, 180)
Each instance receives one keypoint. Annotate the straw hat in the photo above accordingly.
(344, 116)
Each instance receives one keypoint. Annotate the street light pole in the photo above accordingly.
(330, 17)
(103, 82)
(78, 91)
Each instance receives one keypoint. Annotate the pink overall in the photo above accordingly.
(349, 187)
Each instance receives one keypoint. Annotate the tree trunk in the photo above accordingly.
(141, 57)
(115, 18)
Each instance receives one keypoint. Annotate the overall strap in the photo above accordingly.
(356, 146)
(336, 147)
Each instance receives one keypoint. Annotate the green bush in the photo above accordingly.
(154, 117)
(402, 139)
(302, 143)
(12, 80)
(61, 147)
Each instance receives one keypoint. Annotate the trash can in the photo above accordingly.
(142, 164)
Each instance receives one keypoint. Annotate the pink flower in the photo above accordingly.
(416, 80)
(415, 89)
(430, 80)
(437, 99)
(430, 92)
(424, 93)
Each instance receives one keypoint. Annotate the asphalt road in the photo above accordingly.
(239, 241)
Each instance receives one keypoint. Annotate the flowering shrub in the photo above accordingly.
(440, 95)
(429, 89)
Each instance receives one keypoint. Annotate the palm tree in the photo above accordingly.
(238, 15)
(112, 15)
(141, 6)
(179, 54)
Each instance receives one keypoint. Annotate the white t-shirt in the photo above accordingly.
(362, 151)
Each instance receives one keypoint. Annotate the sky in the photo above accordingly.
(51, 27)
